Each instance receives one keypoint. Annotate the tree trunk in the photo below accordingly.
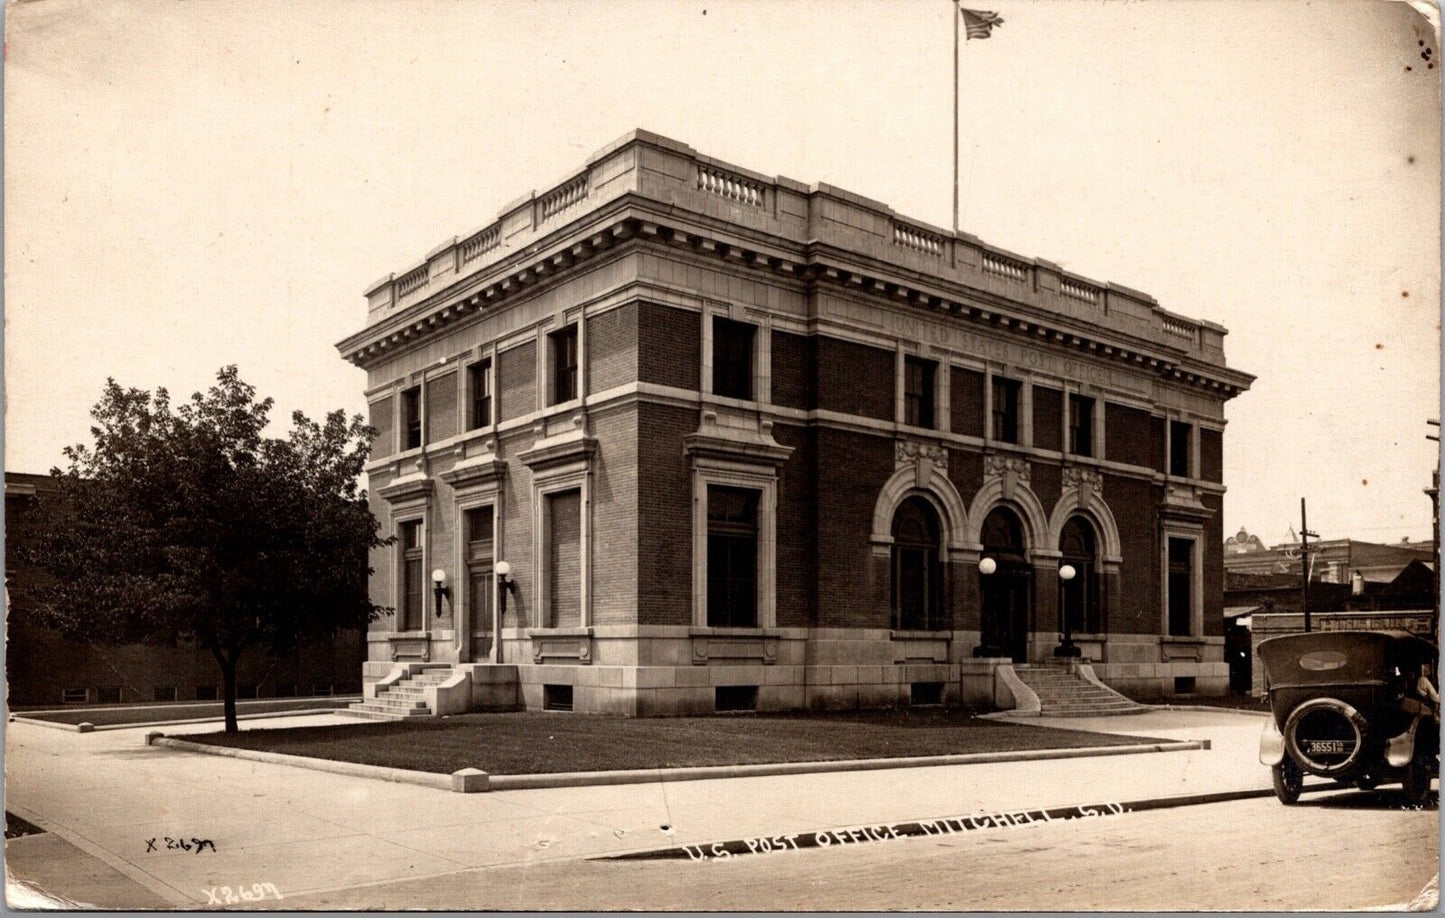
(228, 688)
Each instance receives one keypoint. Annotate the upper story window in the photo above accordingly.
(1081, 425)
(564, 364)
(411, 418)
(479, 378)
(918, 389)
(732, 358)
(1006, 409)
(1180, 449)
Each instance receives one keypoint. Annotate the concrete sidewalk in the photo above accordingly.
(309, 832)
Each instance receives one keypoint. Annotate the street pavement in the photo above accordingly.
(319, 837)
(1252, 855)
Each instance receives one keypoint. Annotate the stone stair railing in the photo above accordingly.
(409, 692)
(1064, 691)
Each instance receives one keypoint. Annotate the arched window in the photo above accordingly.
(1079, 597)
(917, 576)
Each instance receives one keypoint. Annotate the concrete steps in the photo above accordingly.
(406, 700)
(1064, 693)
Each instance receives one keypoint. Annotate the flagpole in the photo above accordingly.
(956, 16)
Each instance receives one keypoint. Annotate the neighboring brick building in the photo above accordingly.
(744, 442)
(1334, 560)
(42, 668)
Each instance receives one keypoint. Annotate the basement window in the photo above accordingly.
(1184, 685)
(108, 694)
(925, 693)
(75, 695)
(206, 693)
(735, 698)
(164, 693)
(556, 697)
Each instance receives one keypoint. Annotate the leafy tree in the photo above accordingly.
(189, 523)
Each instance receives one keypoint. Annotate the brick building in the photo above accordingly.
(44, 669)
(746, 442)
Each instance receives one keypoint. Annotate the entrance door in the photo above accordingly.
(1006, 595)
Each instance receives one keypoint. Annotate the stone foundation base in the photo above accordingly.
(676, 671)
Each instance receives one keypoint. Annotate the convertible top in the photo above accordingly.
(1342, 656)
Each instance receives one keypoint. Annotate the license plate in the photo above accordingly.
(1325, 747)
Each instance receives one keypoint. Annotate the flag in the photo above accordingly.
(978, 23)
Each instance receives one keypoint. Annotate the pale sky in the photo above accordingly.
(191, 185)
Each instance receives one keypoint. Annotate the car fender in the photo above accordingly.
(1271, 744)
(1400, 750)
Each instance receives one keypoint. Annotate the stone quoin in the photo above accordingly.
(745, 443)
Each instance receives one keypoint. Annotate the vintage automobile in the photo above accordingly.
(1360, 707)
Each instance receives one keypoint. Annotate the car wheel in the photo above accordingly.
(1417, 782)
(1288, 781)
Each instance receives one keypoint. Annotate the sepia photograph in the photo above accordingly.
(722, 455)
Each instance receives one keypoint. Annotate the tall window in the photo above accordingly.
(1081, 425)
(1006, 409)
(564, 364)
(1179, 448)
(918, 391)
(479, 376)
(481, 523)
(732, 557)
(564, 558)
(732, 358)
(917, 577)
(1080, 597)
(411, 417)
(412, 576)
(1181, 587)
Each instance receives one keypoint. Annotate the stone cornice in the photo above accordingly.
(572, 446)
(751, 445)
(630, 220)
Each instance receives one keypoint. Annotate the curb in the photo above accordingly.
(653, 775)
(351, 769)
(109, 858)
(92, 728)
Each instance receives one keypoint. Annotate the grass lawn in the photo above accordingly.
(151, 713)
(16, 827)
(541, 742)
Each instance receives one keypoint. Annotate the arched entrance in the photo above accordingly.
(1006, 594)
(1079, 597)
(917, 576)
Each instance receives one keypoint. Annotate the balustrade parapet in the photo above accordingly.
(661, 166)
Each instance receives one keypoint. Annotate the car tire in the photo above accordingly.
(1289, 780)
(1417, 782)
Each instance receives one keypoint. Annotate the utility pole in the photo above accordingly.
(1434, 492)
(1304, 562)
